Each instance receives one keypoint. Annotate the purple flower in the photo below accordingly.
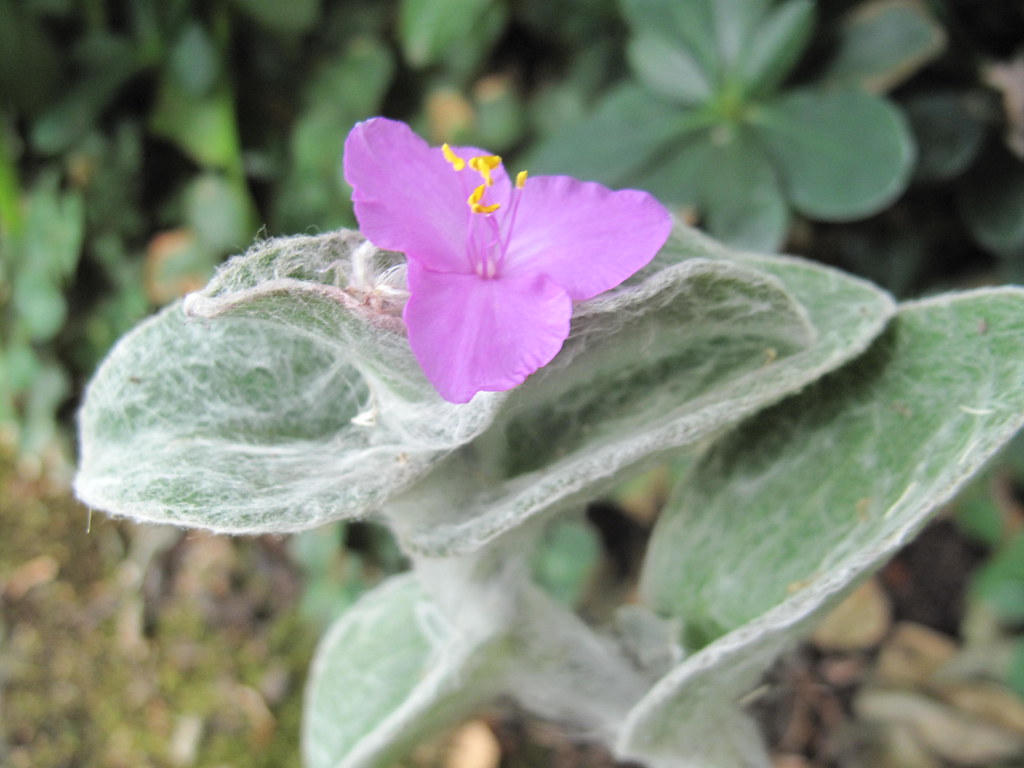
(494, 264)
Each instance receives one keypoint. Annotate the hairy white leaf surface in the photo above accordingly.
(285, 398)
(780, 518)
(381, 682)
(721, 337)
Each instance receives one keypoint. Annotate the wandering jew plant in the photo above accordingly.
(490, 354)
(494, 266)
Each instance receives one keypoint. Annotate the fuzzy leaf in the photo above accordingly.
(283, 402)
(380, 682)
(716, 342)
(778, 520)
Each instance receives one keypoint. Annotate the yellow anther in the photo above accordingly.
(474, 201)
(457, 162)
(484, 164)
(521, 179)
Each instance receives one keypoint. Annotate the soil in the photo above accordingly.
(134, 646)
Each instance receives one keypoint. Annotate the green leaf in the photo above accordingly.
(774, 49)
(280, 401)
(883, 42)
(203, 127)
(385, 676)
(39, 304)
(782, 517)
(194, 60)
(992, 199)
(740, 202)
(621, 134)
(735, 24)
(428, 29)
(679, 355)
(109, 62)
(293, 17)
(566, 559)
(50, 388)
(1000, 582)
(464, 60)
(949, 130)
(689, 23)
(49, 248)
(841, 154)
(220, 212)
(668, 69)
(313, 193)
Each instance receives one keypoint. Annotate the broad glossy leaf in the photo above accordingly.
(949, 129)
(690, 24)
(384, 678)
(774, 49)
(731, 183)
(194, 61)
(717, 342)
(669, 69)
(203, 127)
(841, 154)
(428, 29)
(992, 200)
(623, 133)
(779, 519)
(283, 401)
(883, 42)
(735, 24)
(220, 212)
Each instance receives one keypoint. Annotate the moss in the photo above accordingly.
(195, 656)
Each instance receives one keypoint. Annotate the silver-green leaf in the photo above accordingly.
(665, 363)
(778, 520)
(384, 677)
(286, 397)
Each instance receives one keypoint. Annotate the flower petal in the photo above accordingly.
(584, 236)
(407, 197)
(471, 335)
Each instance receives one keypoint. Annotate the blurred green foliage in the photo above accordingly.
(142, 141)
(726, 138)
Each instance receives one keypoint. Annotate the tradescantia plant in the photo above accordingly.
(536, 342)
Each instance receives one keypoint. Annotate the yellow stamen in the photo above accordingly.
(457, 162)
(484, 164)
(474, 201)
(521, 179)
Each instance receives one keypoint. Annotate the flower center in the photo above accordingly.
(488, 235)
